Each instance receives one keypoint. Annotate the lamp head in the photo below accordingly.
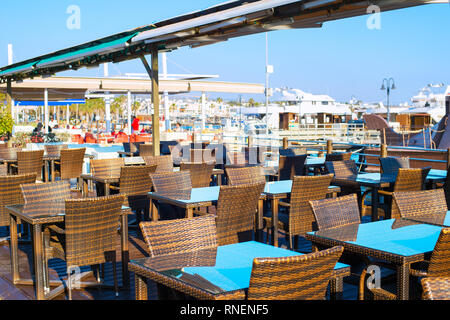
(383, 87)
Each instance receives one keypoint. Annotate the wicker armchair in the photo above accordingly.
(53, 150)
(35, 193)
(437, 266)
(407, 180)
(180, 235)
(132, 147)
(3, 170)
(9, 153)
(11, 193)
(200, 173)
(300, 218)
(290, 152)
(336, 212)
(390, 165)
(236, 212)
(70, 165)
(89, 235)
(245, 175)
(146, 150)
(304, 277)
(163, 163)
(108, 168)
(236, 159)
(30, 162)
(291, 166)
(418, 203)
(436, 288)
(135, 184)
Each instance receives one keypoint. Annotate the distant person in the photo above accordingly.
(135, 125)
(178, 127)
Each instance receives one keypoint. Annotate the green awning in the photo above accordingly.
(89, 51)
(23, 67)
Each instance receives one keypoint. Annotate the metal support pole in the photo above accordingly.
(46, 111)
(129, 112)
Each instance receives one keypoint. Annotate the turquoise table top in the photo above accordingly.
(226, 269)
(396, 236)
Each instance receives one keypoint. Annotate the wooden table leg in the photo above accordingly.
(141, 288)
(189, 212)
(85, 188)
(275, 221)
(125, 251)
(259, 220)
(46, 171)
(38, 261)
(107, 189)
(14, 249)
(52, 170)
(154, 210)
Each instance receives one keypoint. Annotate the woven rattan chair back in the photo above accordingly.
(338, 156)
(72, 163)
(342, 169)
(245, 175)
(180, 235)
(53, 150)
(11, 193)
(236, 159)
(291, 166)
(236, 211)
(108, 168)
(135, 180)
(30, 162)
(390, 165)
(91, 226)
(35, 193)
(9, 153)
(436, 288)
(305, 189)
(440, 258)
(417, 203)
(171, 183)
(200, 173)
(336, 212)
(163, 163)
(303, 277)
(146, 150)
(409, 179)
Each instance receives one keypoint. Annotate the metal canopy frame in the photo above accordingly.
(216, 24)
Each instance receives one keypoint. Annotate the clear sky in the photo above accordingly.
(343, 59)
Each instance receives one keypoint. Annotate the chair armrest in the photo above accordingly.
(56, 229)
(114, 187)
(385, 193)
(284, 204)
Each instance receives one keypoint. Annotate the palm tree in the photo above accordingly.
(118, 106)
(135, 107)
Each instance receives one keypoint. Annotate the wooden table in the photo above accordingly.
(39, 215)
(201, 274)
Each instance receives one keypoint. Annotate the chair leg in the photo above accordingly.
(69, 282)
(113, 260)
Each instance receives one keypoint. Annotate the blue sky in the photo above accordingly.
(343, 58)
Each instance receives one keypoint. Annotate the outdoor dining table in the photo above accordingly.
(437, 219)
(38, 216)
(206, 197)
(376, 181)
(221, 273)
(398, 241)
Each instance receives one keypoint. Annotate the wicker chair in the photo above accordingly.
(236, 159)
(70, 165)
(30, 162)
(36, 193)
(437, 266)
(11, 193)
(436, 288)
(236, 212)
(338, 156)
(53, 150)
(200, 173)
(407, 180)
(300, 218)
(89, 235)
(108, 168)
(336, 212)
(146, 150)
(3, 170)
(135, 184)
(132, 147)
(304, 277)
(163, 163)
(291, 166)
(245, 175)
(9, 153)
(201, 156)
(418, 203)
(180, 235)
